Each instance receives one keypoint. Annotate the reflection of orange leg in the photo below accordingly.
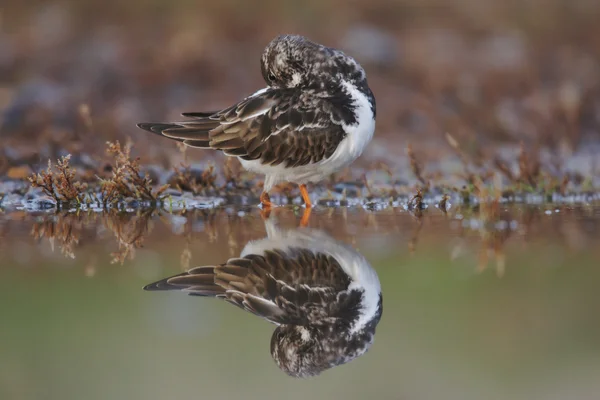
(265, 213)
(265, 200)
(305, 217)
(305, 196)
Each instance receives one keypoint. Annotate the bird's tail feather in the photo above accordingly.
(191, 136)
(155, 127)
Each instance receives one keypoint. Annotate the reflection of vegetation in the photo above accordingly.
(64, 228)
(482, 230)
(492, 244)
(414, 238)
(493, 228)
(129, 230)
(67, 229)
(4, 230)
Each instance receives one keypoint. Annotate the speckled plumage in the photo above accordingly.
(316, 115)
(323, 296)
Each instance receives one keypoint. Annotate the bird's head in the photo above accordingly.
(297, 350)
(304, 351)
(291, 61)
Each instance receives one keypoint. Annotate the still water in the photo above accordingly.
(459, 305)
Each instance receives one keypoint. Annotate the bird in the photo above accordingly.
(323, 296)
(315, 116)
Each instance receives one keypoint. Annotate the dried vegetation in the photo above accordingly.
(123, 180)
(60, 183)
(127, 180)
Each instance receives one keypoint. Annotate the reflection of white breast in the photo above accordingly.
(361, 273)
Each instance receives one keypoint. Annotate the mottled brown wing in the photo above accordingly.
(293, 286)
(278, 126)
(296, 286)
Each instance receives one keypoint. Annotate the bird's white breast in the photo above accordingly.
(361, 132)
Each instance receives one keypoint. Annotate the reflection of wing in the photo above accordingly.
(274, 126)
(295, 286)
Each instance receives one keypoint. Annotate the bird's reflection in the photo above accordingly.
(323, 296)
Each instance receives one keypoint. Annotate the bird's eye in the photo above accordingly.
(271, 77)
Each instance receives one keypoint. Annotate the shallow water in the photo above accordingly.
(477, 304)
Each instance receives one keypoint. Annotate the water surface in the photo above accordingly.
(477, 304)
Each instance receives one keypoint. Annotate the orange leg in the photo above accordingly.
(305, 217)
(265, 200)
(305, 196)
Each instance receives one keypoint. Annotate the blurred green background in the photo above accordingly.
(469, 313)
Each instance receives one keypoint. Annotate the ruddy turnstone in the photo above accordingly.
(316, 115)
(323, 296)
